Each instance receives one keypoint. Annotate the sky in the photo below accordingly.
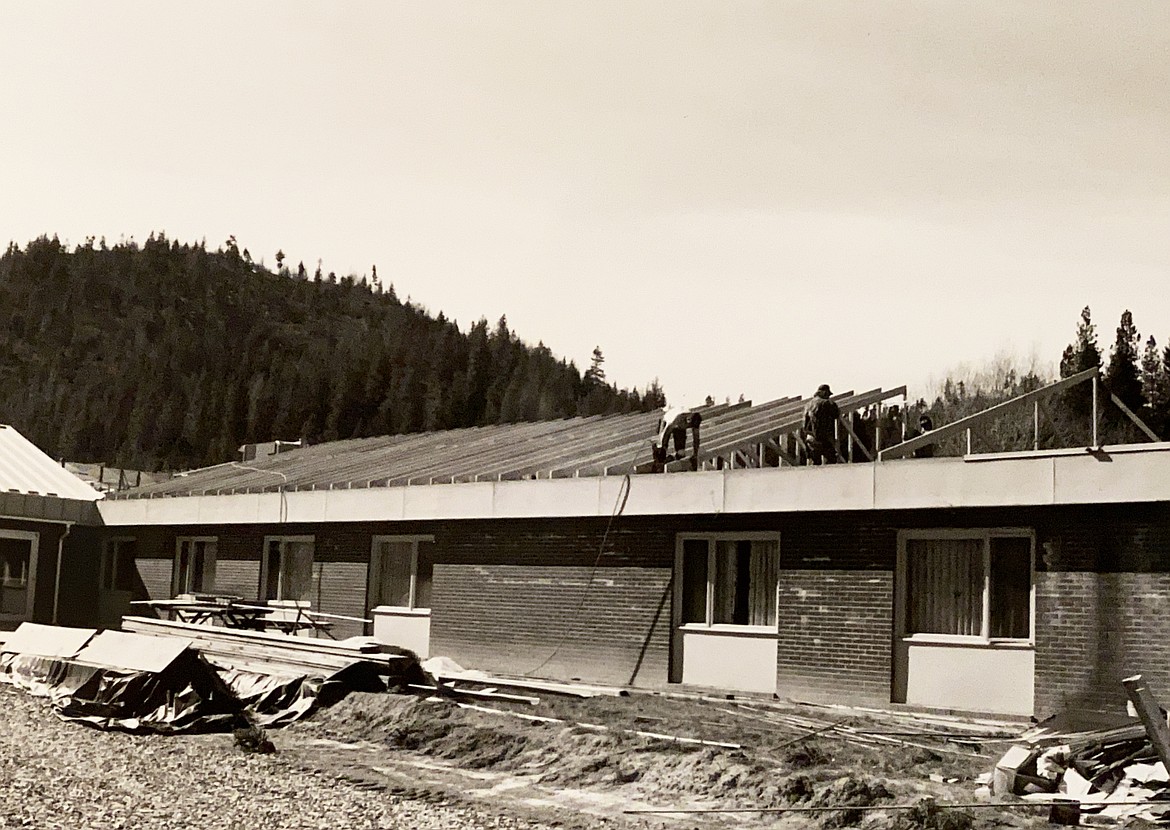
(731, 197)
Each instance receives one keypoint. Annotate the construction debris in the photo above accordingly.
(446, 669)
(1111, 770)
(179, 677)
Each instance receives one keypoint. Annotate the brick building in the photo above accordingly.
(1016, 583)
(46, 516)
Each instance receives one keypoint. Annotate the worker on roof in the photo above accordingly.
(820, 426)
(673, 427)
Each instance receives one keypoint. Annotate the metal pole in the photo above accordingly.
(1036, 424)
(1095, 382)
(968, 440)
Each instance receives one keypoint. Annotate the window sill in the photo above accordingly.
(735, 630)
(965, 642)
(399, 611)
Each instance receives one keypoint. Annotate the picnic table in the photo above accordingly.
(232, 612)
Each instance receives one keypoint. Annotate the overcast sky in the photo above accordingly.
(732, 197)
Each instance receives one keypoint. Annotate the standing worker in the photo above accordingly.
(820, 426)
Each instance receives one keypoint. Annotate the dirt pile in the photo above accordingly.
(571, 755)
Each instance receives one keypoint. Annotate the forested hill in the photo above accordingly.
(168, 356)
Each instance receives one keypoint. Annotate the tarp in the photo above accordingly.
(141, 683)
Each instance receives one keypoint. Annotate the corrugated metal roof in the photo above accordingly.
(26, 470)
(573, 447)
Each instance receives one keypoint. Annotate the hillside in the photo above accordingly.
(169, 356)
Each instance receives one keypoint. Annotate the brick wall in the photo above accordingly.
(835, 635)
(610, 625)
(1102, 605)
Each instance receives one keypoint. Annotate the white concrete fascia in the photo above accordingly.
(1105, 476)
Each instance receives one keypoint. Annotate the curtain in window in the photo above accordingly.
(764, 575)
(394, 578)
(296, 579)
(727, 573)
(944, 585)
(1011, 587)
(694, 576)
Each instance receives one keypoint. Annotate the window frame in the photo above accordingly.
(110, 549)
(176, 588)
(30, 583)
(373, 576)
(712, 547)
(984, 535)
(261, 590)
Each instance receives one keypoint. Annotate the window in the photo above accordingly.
(286, 571)
(194, 565)
(729, 579)
(118, 567)
(973, 584)
(18, 567)
(401, 569)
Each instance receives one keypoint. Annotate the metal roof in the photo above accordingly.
(731, 435)
(27, 471)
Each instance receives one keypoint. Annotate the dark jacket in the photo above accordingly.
(820, 418)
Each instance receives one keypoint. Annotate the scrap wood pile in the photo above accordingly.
(181, 677)
(1111, 769)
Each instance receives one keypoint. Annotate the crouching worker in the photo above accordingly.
(673, 429)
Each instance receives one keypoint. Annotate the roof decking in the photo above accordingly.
(26, 471)
(569, 448)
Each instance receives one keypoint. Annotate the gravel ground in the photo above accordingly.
(55, 774)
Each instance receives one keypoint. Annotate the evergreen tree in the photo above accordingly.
(1156, 387)
(1122, 375)
(595, 374)
(1080, 355)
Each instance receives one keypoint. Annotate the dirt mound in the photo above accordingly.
(555, 753)
(845, 792)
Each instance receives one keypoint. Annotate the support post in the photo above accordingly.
(1036, 424)
(968, 440)
(1096, 383)
(1151, 714)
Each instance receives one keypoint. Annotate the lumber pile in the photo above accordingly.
(1117, 770)
(270, 653)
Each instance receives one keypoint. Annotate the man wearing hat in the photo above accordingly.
(820, 426)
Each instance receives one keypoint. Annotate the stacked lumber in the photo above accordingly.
(269, 653)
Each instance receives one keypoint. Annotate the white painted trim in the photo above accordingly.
(261, 589)
(34, 540)
(984, 535)
(725, 629)
(1130, 473)
(176, 589)
(397, 611)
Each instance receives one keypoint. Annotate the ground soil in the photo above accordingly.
(416, 761)
(581, 773)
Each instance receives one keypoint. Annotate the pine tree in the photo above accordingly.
(595, 374)
(1122, 375)
(1078, 356)
(1156, 387)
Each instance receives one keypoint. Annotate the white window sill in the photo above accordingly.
(399, 611)
(725, 629)
(967, 642)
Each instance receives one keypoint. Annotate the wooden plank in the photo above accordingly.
(1151, 715)
(1140, 423)
(857, 442)
(940, 433)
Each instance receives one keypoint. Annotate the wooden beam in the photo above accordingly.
(940, 433)
(1151, 714)
(857, 442)
(1140, 423)
(784, 455)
